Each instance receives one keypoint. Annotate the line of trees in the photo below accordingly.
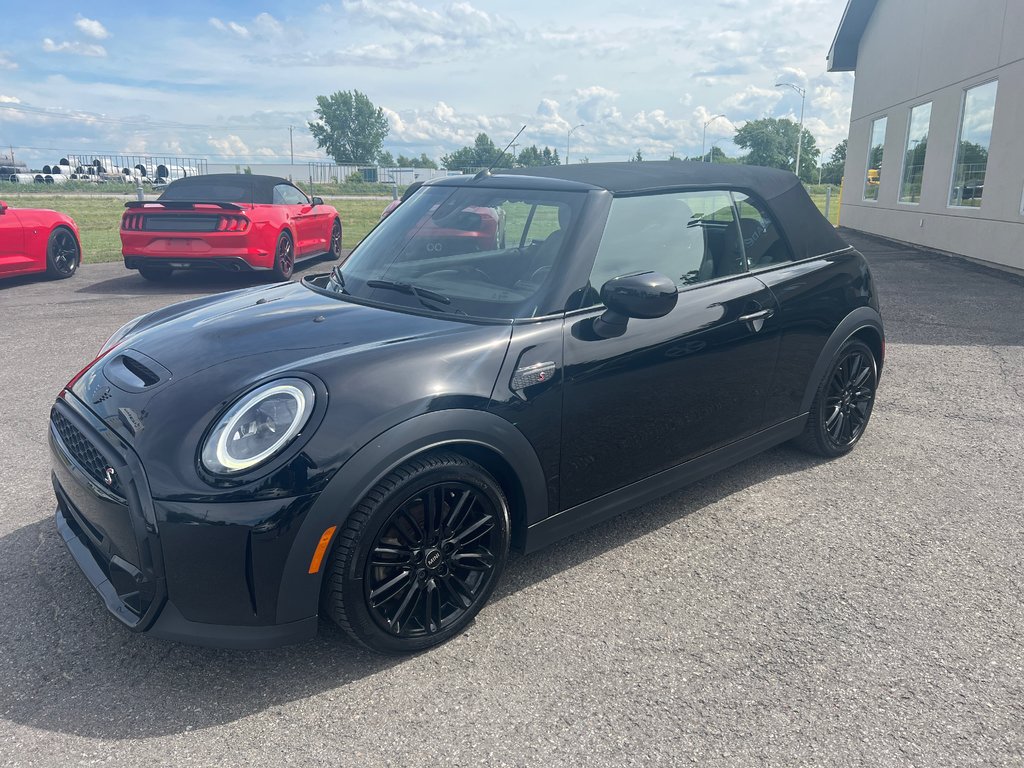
(352, 130)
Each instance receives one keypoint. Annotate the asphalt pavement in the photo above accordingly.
(789, 611)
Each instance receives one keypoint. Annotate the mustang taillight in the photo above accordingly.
(232, 224)
(132, 221)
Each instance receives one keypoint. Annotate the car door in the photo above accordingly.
(675, 387)
(302, 215)
(13, 258)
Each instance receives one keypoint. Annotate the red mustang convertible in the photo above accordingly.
(34, 240)
(232, 222)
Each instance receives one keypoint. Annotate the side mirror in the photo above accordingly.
(3, 207)
(318, 201)
(643, 296)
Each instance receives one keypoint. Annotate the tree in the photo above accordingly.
(349, 127)
(482, 154)
(415, 162)
(772, 143)
(532, 157)
(638, 157)
(385, 159)
(833, 170)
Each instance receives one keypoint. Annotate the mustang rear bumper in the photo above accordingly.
(219, 263)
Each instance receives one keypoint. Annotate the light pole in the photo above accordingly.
(800, 135)
(568, 135)
(704, 137)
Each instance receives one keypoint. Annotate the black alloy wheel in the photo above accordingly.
(284, 257)
(156, 274)
(63, 255)
(420, 556)
(842, 406)
(335, 251)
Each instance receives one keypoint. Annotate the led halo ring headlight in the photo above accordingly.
(258, 426)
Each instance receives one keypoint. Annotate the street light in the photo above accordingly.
(568, 134)
(800, 135)
(704, 138)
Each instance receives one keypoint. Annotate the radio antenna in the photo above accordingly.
(499, 158)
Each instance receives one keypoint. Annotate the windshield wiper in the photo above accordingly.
(337, 281)
(423, 294)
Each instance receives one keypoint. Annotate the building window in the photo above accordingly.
(873, 177)
(968, 184)
(913, 155)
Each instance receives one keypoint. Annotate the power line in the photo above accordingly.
(163, 152)
(91, 117)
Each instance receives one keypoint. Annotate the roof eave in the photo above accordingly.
(842, 55)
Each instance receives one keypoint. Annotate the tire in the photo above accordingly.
(397, 583)
(842, 403)
(335, 242)
(284, 258)
(63, 254)
(156, 274)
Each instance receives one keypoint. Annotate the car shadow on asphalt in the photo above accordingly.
(189, 283)
(69, 667)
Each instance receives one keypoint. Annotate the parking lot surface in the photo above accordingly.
(788, 611)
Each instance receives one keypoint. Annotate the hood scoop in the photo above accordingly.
(132, 371)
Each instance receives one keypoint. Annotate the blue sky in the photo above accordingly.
(224, 80)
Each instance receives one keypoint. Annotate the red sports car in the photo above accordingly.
(34, 240)
(228, 221)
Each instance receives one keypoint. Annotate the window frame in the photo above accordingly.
(956, 143)
(907, 150)
(867, 159)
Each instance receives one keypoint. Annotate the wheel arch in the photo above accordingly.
(864, 323)
(494, 443)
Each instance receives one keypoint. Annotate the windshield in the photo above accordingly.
(479, 252)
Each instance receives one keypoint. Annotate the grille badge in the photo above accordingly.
(109, 475)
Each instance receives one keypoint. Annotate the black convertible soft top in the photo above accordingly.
(225, 188)
(809, 233)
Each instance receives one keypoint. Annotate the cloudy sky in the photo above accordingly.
(224, 80)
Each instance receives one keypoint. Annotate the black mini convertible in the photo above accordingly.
(505, 359)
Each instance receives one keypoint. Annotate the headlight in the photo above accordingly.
(258, 426)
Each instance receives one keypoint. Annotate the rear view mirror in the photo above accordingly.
(643, 296)
(3, 207)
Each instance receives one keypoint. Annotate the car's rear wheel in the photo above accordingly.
(842, 405)
(284, 257)
(335, 251)
(63, 255)
(156, 274)
(419, 556)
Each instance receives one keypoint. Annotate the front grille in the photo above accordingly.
(84, 452)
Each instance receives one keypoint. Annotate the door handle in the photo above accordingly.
(761, 314)
(755, 320)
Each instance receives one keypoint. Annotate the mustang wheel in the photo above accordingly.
(284, 258)
(335, 251)
(842, 405)
(419, 556)
(156, 274)
(62, 254)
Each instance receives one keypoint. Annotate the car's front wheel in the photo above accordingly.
(842, 405)
(284, 257)
(62, 254)
(335, 252)
(419, 556)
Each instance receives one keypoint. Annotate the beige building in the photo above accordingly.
(936, 146)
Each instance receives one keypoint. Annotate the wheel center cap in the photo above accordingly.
(432, 558)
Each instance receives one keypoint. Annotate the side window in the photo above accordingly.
(762, 242)
(876, 148)
(690, 237)
(285, 194)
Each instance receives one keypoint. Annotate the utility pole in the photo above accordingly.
(704, 138)
(800, 135)
(291, 146)
(568, 134)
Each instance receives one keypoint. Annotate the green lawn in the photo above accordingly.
(817, 193)
(99, 218)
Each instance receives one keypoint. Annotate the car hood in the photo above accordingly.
(177, 370)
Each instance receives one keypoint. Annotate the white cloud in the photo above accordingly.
(228, 146)
(267, 25)
(9, 99)
(6, 62)
(91, 28)
(74, 47)
(230, 26)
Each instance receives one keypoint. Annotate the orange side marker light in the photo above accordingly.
(321, 550)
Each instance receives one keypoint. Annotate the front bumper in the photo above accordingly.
(206, 574)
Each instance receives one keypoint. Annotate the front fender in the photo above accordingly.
(300, 590)
(858, 320)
